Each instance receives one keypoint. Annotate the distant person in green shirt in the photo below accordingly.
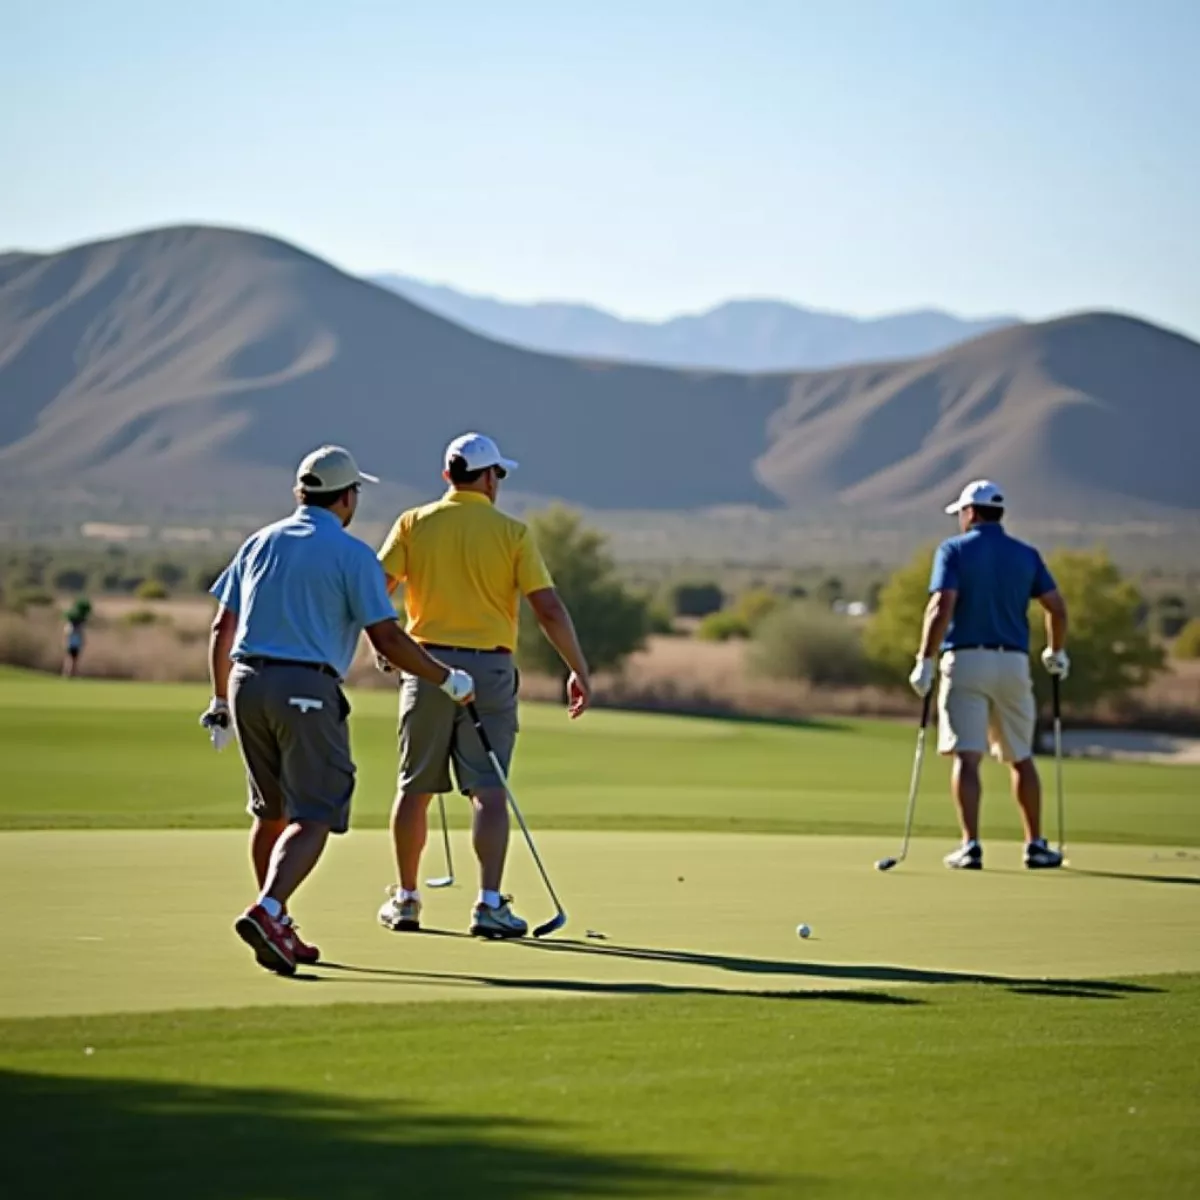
(76, 617)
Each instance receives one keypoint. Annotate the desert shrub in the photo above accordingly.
(696, 599)
(26, 642)
(32, 597)
(722, 627)
(70, 579)
(142, 616)
(612, 621)
(803, 642)
(755, 605)
(151, 589)
(1187, 644)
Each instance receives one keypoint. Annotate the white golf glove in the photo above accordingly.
(921, 679)
(1056, 662)
(459, 686)
(217, 719)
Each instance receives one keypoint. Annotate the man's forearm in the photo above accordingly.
(1056, 629)
(220, 643)
(937, 620)
(406, 655)
(560, 633)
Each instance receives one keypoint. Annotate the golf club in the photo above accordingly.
(886, 864)
(560, 917)
(1056, 697)
(447, 880)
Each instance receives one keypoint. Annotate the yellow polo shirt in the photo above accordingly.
(465, 566)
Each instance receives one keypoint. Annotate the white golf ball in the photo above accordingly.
(802, 931)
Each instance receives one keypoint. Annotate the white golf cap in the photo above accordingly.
(330, 469)
(980, 492)
(479, 452)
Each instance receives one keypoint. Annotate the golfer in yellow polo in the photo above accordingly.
(465, 566)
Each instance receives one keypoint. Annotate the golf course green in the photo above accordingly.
(1001, 1032)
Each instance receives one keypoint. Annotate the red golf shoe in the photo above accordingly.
(272, 941)
(302, 952)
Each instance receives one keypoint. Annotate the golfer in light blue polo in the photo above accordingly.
(292, 605)
(978, 621)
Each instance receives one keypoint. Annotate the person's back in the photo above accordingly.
(465, 566)
(996, 576)
(299, 579)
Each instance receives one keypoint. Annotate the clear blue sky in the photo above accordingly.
(653, 156)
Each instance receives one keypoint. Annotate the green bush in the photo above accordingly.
(755, 605)
(71, 579)
(151, 589)
(696, 599)
(806, 643)
(1187, 644)
(32, 597)
(611, 621)
(659, 621)
(722, 627)
(142, 616)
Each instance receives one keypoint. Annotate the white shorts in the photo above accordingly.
(986, 702)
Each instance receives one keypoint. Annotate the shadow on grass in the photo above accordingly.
(596, 987)
(874, 973)
(1194, 880)
(145, 1140)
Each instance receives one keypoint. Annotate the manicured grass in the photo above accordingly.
(117, 921)
(91, 754)
(979, 1090)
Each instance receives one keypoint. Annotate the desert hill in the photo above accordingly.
(191, 367)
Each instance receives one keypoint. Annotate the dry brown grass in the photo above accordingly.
(679, 674)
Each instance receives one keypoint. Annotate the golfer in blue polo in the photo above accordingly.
(292, 605)
(977, 620)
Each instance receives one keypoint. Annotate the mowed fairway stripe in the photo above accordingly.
(95, 755)
(115, 921)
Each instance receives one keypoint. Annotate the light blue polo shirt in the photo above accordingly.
(995, 576)
(304, 589)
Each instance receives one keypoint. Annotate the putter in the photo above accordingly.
(886, 864)
(447, 880)
(1056, 697)
(560, 917)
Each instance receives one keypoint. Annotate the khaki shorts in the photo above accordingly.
(986, 702)
(436, 733)
(292, 731)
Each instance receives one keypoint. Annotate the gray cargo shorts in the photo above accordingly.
(435, 732)
(291, 727)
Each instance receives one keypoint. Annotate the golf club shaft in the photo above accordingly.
(915, 782)
(473, 713)
(445, 835)
(1056, 695)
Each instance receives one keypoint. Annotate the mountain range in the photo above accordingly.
(740, 335)
(188, 369)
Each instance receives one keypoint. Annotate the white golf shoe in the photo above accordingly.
(399, 913)
(499, 922)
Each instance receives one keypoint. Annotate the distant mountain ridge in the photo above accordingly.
(190, 368)
(739, 335)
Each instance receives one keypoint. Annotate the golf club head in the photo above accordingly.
(556, 922)
(443, 881)
(885, 864)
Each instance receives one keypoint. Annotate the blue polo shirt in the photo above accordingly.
(995, 577)
(304, 589)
